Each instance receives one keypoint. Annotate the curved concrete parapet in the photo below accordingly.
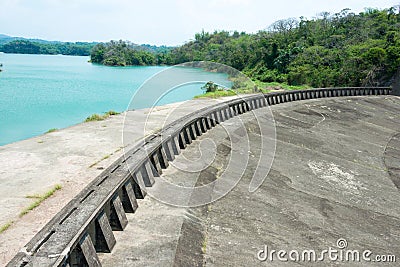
(85, 226)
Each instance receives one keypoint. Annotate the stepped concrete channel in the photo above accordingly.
(335, 175)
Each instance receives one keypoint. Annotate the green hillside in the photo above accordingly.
(342, 49)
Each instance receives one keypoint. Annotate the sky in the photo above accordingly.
(156, 22)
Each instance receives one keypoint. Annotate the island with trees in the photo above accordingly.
(25, 46)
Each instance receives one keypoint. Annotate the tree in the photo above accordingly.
(342, 49)
(210, 87)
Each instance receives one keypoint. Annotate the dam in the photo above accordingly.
(334, 176)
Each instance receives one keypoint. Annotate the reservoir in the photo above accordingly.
(42, 92)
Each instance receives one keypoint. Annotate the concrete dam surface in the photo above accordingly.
(332, 186)
(334, 179)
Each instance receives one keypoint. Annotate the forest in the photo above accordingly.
(330, 50)
(23, 46)
(123, 53)
(341, 49)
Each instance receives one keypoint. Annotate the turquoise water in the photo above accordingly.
(40, 92)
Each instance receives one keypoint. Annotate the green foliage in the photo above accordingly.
(210, 87)
(39, 199)
(121, 53)
(30, 47)
(98, 117)
(240, 85)
(111, 113)
(269, 86)
(52, 130)
(6, 226)
(217, 94)
(374, 56)
(341, 49)
(95, 117)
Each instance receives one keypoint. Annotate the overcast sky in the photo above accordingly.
(168, 22)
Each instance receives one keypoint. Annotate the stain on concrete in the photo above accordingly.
(392, 159)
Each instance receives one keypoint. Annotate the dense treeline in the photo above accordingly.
(342, 49)
(121, 53)
(51, 48)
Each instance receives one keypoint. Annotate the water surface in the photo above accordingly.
(41, 92)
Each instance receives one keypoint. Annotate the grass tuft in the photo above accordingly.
(105, 157)
(111, 113)
(5, 226)
(39, 199)
(204, 245)
(217, 94)
(248, 87)
(33, 196)
(99, 117)
(52, 130)
(94, 117)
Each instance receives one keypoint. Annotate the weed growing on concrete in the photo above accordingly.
(217, 94)
(52, 130)
(94, 117)
(204, 246)
(39, 199)
(98, 117)
(5, 226)
(105, 157)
